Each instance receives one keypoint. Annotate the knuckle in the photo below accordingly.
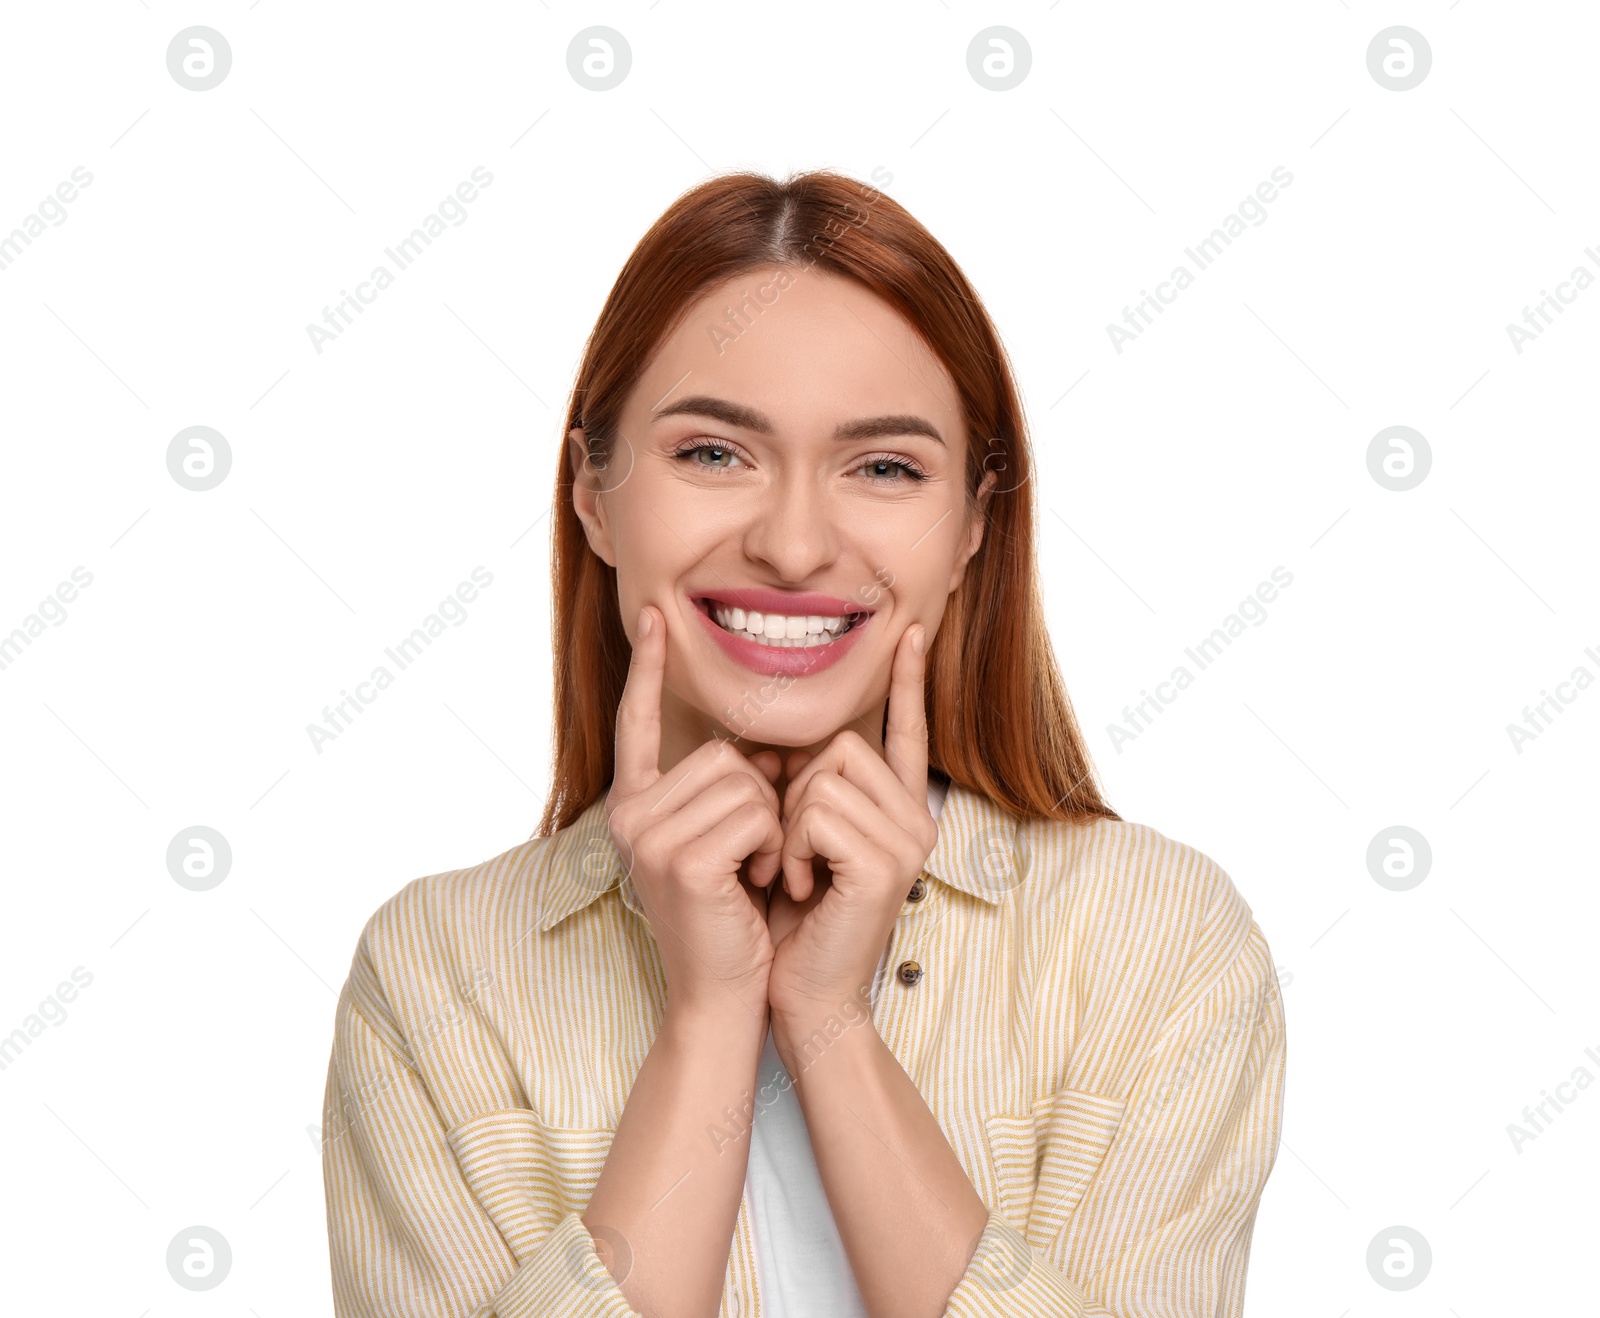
(650, 851)
(824, 787)
(747, 812)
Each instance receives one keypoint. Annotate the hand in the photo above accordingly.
(865, 817)
(685, 836)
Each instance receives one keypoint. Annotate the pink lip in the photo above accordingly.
(772, 660)
(754, 598)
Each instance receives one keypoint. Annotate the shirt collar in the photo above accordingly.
(978, 853)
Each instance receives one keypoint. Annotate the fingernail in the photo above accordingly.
(920, 640)
(644, 623)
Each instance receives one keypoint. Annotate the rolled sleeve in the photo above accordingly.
(1007, 1276)
(407, 1238)
(1163, 1227)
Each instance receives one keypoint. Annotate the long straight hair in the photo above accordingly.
(999, 721)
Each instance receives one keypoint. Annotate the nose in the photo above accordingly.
(792, 528)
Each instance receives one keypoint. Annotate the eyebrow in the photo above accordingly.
(747, 418)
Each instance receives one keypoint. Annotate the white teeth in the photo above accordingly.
(785, 631)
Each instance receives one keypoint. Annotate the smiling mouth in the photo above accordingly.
(781, 631)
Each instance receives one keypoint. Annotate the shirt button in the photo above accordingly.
(918, 891)
(909, 972)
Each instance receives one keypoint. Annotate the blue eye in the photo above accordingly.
(706, 448)
(910, 471)
(900, 469)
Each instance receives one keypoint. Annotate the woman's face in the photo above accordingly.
(793, 451)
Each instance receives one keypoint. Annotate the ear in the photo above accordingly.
(975, 527)
(586, 491)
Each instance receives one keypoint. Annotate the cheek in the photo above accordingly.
(912, 572)
(655, 541)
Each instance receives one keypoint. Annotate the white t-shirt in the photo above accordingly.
(801, 1266)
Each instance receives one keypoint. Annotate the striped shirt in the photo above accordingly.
(1097, 1030)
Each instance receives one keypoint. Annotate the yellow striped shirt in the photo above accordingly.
(1097, 1029)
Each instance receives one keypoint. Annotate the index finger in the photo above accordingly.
(905, 737)
(637, 752)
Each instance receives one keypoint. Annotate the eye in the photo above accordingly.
(909, 470)
(719, 451)
(882, 469)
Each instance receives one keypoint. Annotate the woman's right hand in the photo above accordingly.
(685, 835)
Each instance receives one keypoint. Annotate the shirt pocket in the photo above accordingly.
(1046, 1159)
(526, 1175)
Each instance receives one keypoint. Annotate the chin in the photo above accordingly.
(767, 726)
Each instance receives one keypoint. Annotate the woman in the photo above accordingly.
(829, 983)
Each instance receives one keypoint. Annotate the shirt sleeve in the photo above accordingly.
(1163, 1228)
(406, 1237)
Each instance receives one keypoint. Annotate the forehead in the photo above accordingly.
(804, 346)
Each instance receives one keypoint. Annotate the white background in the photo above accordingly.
(367, 480)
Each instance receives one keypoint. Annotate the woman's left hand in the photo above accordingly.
(866, 816)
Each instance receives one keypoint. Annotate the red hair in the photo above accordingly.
(999, 721)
